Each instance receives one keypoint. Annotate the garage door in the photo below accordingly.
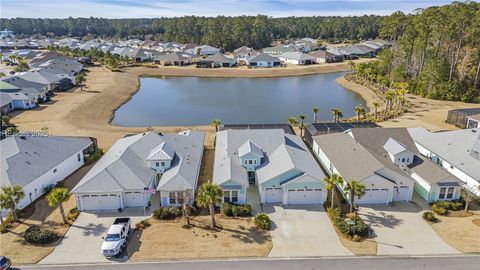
(273, 195)
(100, 202)
(400, 193)
(133, 199)
(373, 196)
(304, 196)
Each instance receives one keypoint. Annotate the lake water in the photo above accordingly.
(185, 101)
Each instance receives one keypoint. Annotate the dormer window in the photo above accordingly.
(157, 164)
(250, 161)
(163, 164)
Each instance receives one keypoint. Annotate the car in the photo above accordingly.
(5, 263)
(117, 237)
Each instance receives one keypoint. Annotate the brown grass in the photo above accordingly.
(366, 247)
(17, 249)
(171, 240)
(461, 233)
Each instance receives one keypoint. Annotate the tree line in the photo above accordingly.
(226, 32)
(435, 52)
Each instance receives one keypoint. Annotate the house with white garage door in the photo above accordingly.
(279, 165)
(387, 162)
(167, 163)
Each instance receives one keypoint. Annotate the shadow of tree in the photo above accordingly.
(92, 229)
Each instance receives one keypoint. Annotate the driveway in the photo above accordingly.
(401, 230)
(303, 231)
(82, 242)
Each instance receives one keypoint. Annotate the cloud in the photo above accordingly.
(172, 8)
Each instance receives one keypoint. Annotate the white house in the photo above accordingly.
(139, 164)
(277, 165)
(473, 121)
(36, 163)
(297, 58)
(263, 60)
(457, 152)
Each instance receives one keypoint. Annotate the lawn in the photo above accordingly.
(17, 249)
(460, 232)
(171, 240)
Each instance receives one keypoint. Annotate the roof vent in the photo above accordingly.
(23, 137)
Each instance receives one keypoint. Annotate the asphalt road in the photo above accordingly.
(340, 263)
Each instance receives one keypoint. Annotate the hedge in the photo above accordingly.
(234, 210)
(168, 212)
(429, 216)
(35, 235)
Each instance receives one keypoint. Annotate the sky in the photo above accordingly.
(176, 8)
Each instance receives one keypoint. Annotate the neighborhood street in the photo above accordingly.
(340, 263)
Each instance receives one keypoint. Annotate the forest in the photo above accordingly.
(435, 52)
(225, 32)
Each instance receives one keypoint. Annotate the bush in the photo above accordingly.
(342, 223)
(73, 214)
(143, 224)
(443, 207)
(438, 209)
(167, 212)
(35, 235)
(233, 210)
(429, 216)
(94, 156)
(262, 221)
(356, 238)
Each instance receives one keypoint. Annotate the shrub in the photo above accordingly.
(343, 224)
(356, 238)
(429, 216)
(143, 224)
(166, 212)
(158, 213)
(262, 221)
(442, 207)
(35, 235)
(438, 209)
(73, 214)
(94, 156)
(233, 210)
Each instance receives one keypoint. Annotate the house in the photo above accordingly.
(37, 162)
(38, 92)
(388, 162)
(279, 49)
(458, 117)
(297, 58)
(473, 121)
(242, 53)
(173, 59)
(337, 53)
(138, 54)
(167, 163)
(204, 50)
(277, 165)
(53, 82)
(314, 129)
(323, 56)
(457, 152)
(215, 61)
(24, 98)
(6, 105)
(263, 60)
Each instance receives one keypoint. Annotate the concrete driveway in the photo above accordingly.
(401, 230)
(303, 231)
(82, 242)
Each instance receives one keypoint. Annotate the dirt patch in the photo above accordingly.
(459, 214)
(17, 249)
(167, 240)
(461, 233)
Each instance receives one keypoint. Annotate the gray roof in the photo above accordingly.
(24, 159)
(125, 165)
(41, 76)
(174, 56)
(263, 57)
(374, 139)
(283, 153)
(280, 48)
(219, 58)
(249, 147)
(23, 83)
(299, 56)
(455, 147)
(5, 99)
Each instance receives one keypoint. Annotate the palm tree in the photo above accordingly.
(359, 110)
(216, 123)
(10, 197)
(315, 112)
(354, 189)
(2, 75)
(5, 121)
(375, 106)
(331, 182)
(79, 80)
(302, 124)
(337, 113)
(58, 196)
(293, 121)
(207, 196)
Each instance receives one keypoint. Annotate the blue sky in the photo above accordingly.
(173, 8)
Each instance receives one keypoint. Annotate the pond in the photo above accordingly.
(186, 101)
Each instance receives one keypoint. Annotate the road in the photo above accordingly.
(467, 262)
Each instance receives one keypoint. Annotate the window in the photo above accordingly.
(450, 193)
(226, 196)
(403, 159)
(179, 197)
(451, 167)
(157, 164)
(255, 161)
(171, 196)
(246, 162)
(250, 161)
(162, 163)
(442, 193)
(408, 159)
(54, 170)
(234, 194)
